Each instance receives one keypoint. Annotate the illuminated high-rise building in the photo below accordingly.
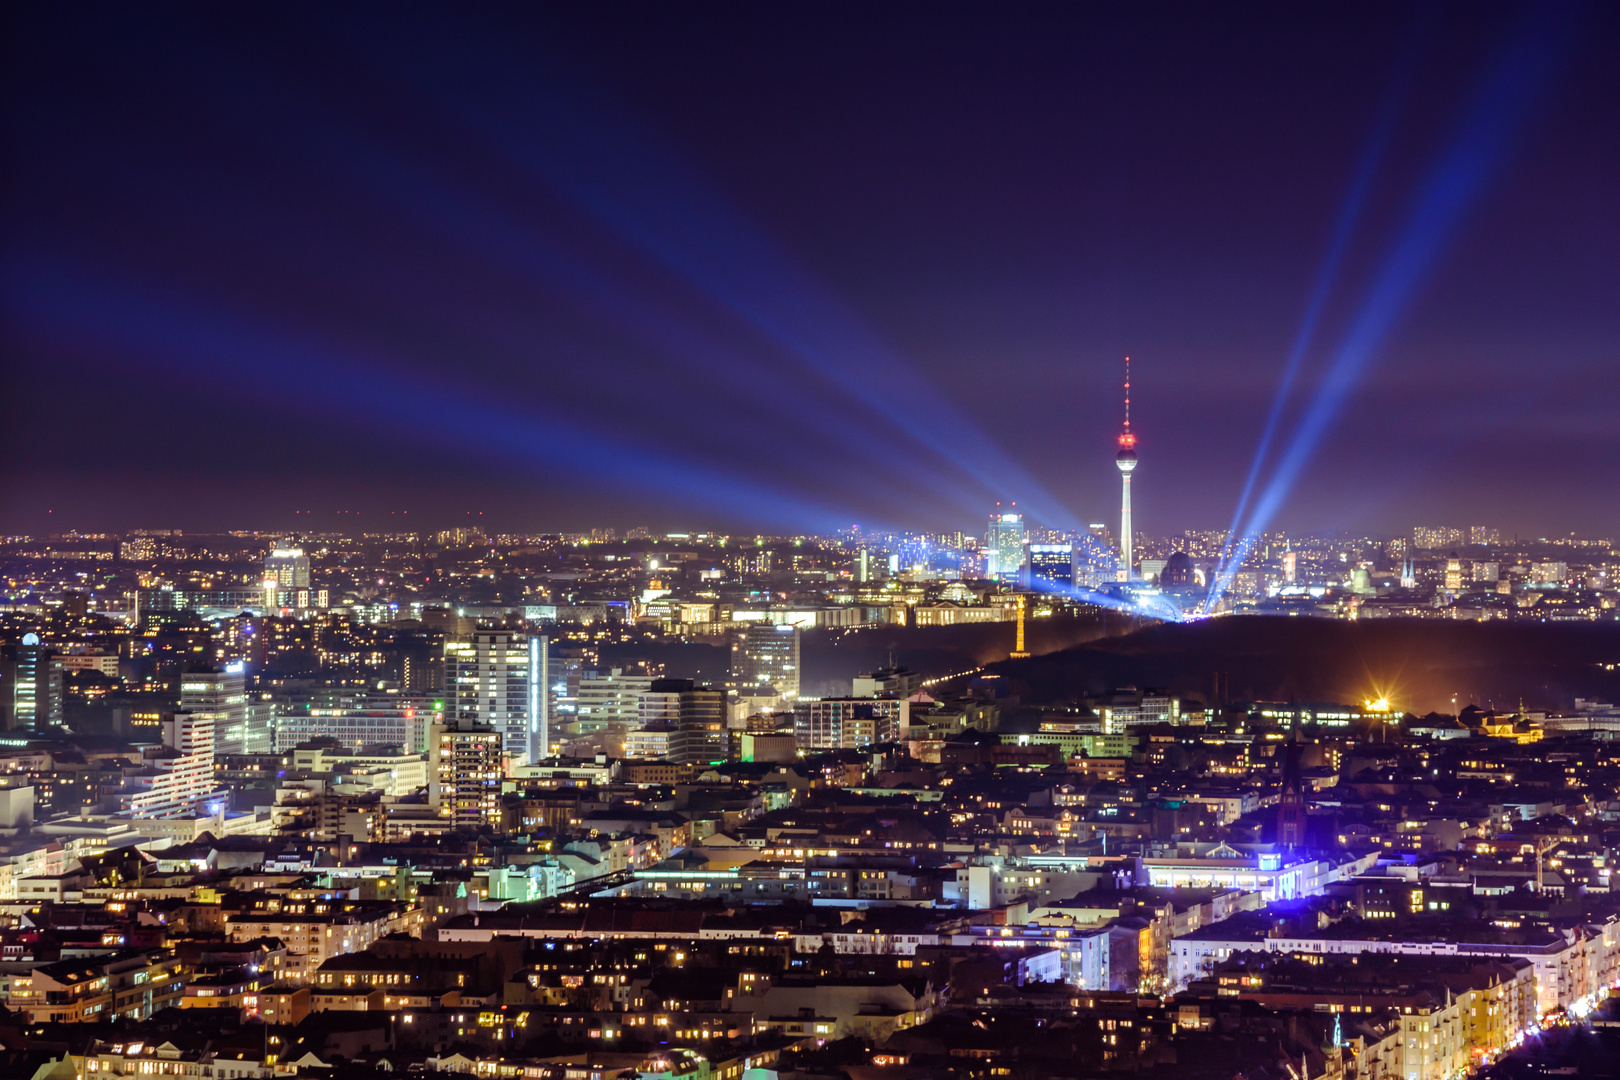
(1125, 460)
(1005, 546)
(764, 654)
(487, 679)
(693, 716)
(465, 768)
(1053, 563)
(288, 567)
(608, 701)
(1094, 557)
(220, 698)
(32, 683)
(537, 740)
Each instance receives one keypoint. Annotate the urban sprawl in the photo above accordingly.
(571, 807)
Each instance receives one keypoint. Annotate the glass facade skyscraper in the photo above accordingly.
(1052, 562)
(1004, 544)
(765, 654)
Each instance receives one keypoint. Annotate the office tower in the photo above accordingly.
(219, 698)
(1487, 571)
(609, 701)
(848, 723)
(1054, 563)
(863, 565)
(538, 741)
(694, 716)
(1290, 566)
(1125, 460)
(763, 654)
(486, 682)
(288, 567)
(465, 767)
(1094, 557)
(1484, 534)
(33, 686)
(1004, 546)
(421, 665)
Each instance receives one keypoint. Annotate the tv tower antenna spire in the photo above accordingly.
(1125, 460)
(1127, 395)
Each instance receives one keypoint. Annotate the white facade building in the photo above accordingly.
(487, 680)
(220, 698)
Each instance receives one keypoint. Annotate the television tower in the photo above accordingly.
(1126, 460)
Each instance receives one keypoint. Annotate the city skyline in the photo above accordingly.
(1458, 533)
(903, 298)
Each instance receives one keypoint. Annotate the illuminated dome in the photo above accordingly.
(1126, 460)
(1178, 570)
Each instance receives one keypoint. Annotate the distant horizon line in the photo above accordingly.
(612, 534)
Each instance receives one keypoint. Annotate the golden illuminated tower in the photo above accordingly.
(1018, 652)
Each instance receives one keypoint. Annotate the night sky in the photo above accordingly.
(789, 267)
